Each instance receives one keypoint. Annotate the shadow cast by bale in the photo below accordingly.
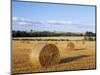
(70, 59)
(79, 49)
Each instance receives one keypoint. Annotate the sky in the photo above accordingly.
(52, 17)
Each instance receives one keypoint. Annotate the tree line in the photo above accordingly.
(47, 33)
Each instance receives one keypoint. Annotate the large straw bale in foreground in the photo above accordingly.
(45, 55)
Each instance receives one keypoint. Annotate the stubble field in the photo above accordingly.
(82, 57)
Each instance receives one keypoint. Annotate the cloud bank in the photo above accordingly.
(17, 22)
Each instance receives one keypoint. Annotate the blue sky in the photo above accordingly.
(52, 17)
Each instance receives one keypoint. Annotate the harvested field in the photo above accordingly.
(81, 57)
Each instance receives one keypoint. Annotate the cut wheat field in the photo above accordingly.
(81, 57)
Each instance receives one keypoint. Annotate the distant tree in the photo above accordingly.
(31, 30)
(90, 34)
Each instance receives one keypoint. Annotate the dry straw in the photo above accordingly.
(70, 46)
(45, 55)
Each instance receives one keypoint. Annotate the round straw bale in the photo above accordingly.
(45, 55)
(70, 46)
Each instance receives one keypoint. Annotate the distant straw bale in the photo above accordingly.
(70, 46)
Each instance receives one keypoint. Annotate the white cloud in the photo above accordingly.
(51, 24)
(23, 21)
(14, 18)
(59, 22)
(69, 22)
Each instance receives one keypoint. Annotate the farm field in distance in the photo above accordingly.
(82, 57)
